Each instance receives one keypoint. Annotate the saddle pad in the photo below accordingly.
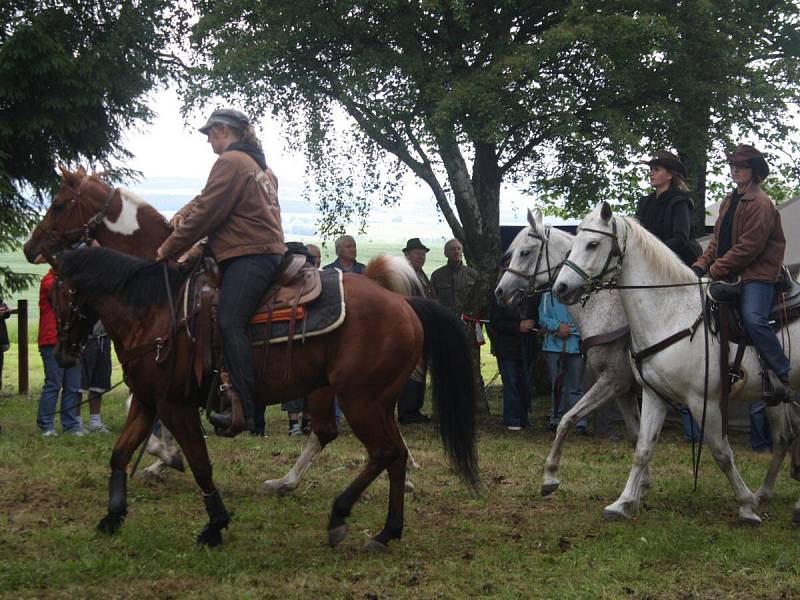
(281, 314)
(321, 316)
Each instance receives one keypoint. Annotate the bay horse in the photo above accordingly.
(663, 300)
(87, 208)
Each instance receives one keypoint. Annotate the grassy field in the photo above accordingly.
(507, 543)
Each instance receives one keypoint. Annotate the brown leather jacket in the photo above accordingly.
(758, 243)
(238, 210)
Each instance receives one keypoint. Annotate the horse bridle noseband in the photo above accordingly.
(87, 229)
(595, 283)
(551, 271)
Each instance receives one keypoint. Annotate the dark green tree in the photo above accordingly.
(74, 75)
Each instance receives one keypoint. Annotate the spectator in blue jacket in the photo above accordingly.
(561, 347)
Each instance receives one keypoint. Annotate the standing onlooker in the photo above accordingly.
(452, 283)
(413, 395)
(760, 432)
(346, 254)
(506, 330)
(96, 374)
(57, 381)
(5, 343)
(561, 347)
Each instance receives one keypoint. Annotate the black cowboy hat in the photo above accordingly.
(747, 156)
(415, 244)
(667, 160)
(228, 116)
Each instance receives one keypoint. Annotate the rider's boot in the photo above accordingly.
(781, 390)
(237, 418)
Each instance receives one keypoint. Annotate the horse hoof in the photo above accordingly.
(796, 516)
(336, 535)
(376, 547)
(275, 487)
(748, 519)
(549, 488)
(176, 462)
(410, 487)
(210, 536)
(614, 515)
(110, 524)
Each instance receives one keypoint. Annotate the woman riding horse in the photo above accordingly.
(239, 212)
(748, 245)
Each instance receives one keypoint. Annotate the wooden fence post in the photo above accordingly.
(22, 344)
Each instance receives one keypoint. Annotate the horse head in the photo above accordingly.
(532, 263)
(595, 258)
(77, 208)
(74, 322)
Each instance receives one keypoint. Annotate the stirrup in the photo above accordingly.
(231, 422)
(780, 391)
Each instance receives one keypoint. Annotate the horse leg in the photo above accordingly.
(166, 450)
(140, 420)
(323, 432)
(653, 413)
(600, 393)
(184, 422)
(782, 438)
(723, 455)
(373, 423)
(628, 404)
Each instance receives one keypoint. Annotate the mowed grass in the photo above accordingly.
(506, 543)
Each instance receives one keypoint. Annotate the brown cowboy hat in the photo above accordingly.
(747, 156)
(667, 160)
(415, 244)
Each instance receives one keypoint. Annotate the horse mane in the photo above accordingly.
(663, 261)
(394, 274)
(137, 282)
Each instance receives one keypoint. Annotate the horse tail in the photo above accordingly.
(447, 351)
(394, 274)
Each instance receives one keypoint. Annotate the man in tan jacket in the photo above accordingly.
(238, 211)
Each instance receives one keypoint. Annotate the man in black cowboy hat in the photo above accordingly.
(413, 395)
(667, 211)
(415, 253)
(748, 246)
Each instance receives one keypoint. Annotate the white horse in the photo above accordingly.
(536, 255)
(164, 448)
(609, 247)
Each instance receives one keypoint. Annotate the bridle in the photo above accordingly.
(76, 314)
(551, 271)
(59, 235)
(595, 283)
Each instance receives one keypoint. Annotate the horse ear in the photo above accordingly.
(64, 171)
(605, 211)
(535, 219)
(81, 171)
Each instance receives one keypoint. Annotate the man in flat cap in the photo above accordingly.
(416, 253)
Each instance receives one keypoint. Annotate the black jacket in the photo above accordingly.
(669, 218)
(503, 328)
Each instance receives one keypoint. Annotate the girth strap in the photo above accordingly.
(604, 338)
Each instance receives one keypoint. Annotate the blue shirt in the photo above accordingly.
(551, 314)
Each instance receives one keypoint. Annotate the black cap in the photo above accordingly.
(415, 244)
(228, 116)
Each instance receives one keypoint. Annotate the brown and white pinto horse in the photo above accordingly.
(383, 335)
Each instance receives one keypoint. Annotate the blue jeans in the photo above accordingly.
(571, 386)
(245, 281)
(57, 379)
(760, 433)
(690, 426)
(754, 305)
(515, 392)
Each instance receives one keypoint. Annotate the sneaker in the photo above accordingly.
(101, 428)
(49, 433)
(295, 430)
(76, 432)
(514, 428)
